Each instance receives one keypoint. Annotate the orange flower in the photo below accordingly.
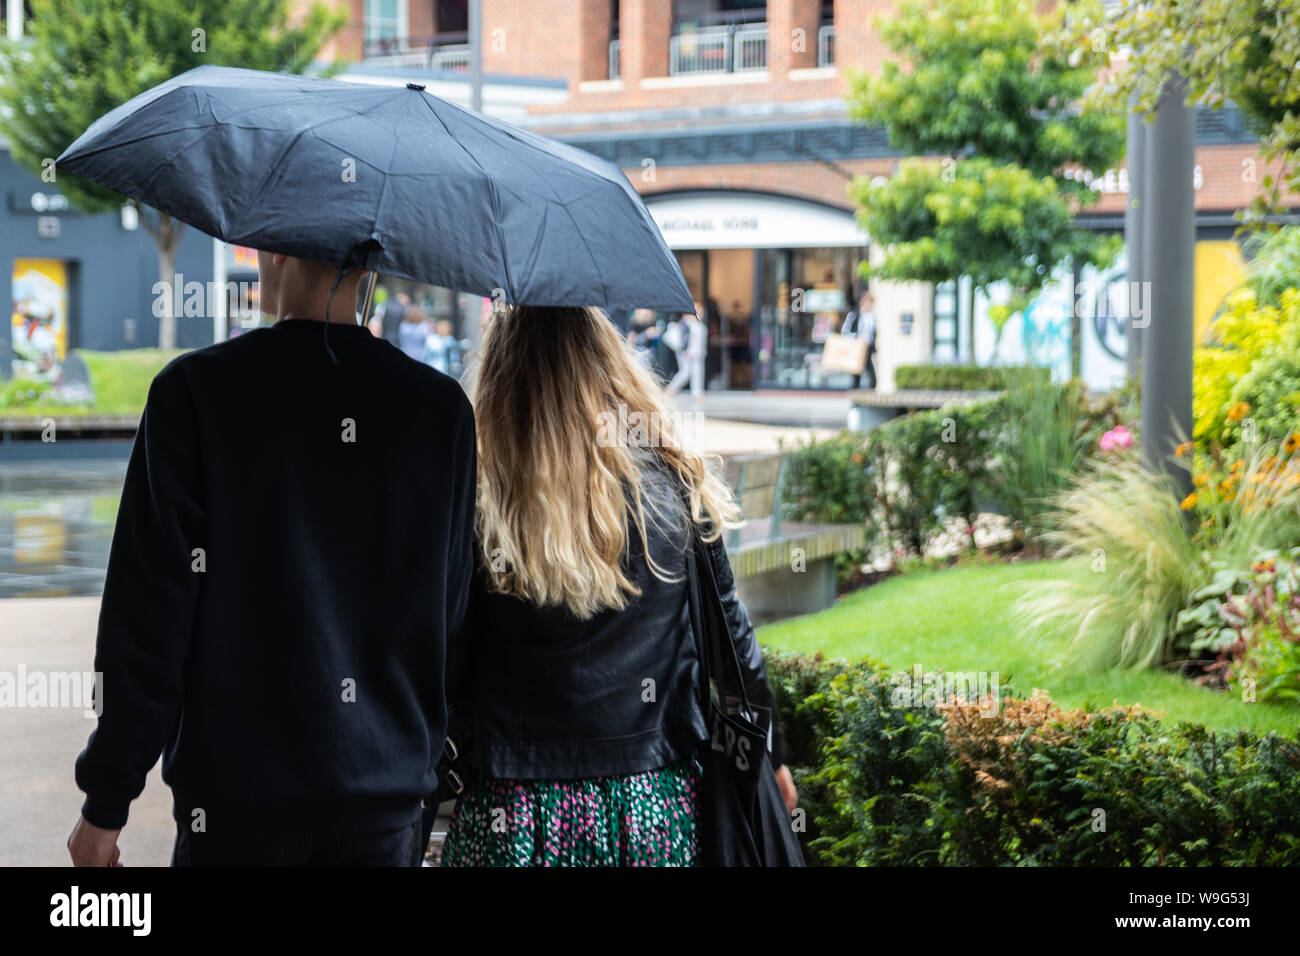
(1239, 411)
(1189, 502)
(1184, 448)
(1292, 443)
(1201, 480)
(1237, 465)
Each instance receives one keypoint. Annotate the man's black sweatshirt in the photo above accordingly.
(293, 547)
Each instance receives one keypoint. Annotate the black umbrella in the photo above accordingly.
(390, 179)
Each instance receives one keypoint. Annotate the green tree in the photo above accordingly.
(82, 58)
(980, 86)
(1239, 51)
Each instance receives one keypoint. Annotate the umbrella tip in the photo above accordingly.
(415, 86)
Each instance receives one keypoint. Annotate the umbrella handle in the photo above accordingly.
(370, 294)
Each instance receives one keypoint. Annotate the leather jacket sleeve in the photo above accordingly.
(748, 652)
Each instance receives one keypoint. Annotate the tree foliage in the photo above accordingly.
(1239, 51)
(82, 58)
(982, 83)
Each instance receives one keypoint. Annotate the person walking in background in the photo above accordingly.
(281, 641)
(414, 329)
(441, 350)
(862, 321)
(573, 684)
(691, 355)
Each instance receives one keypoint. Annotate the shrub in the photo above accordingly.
(1265, 621)
(891, 783)
(907, 478)
(902, 480)
(966, 378)
(23, 393)
(1275, 266)
(1247, 334)
(1136, 566)
(1047, 431)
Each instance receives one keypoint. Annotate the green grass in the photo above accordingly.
(960, 619)
(119, 379)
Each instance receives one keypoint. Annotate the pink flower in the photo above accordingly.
(1117, 439)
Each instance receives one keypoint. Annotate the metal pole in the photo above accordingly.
(476, 55)
(370, 294)
(1134, 219)
(221, 303)
(1169, 243)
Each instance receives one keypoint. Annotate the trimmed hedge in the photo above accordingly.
(966, 378)
(889, 782)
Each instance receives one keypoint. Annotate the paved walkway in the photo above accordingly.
(39, 801)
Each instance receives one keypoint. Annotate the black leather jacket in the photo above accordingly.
(538, 694)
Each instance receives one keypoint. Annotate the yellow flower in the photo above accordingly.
(1201, 480)
(1292, 443)
(1183, 449)
(1189, 502)
(1239, 411)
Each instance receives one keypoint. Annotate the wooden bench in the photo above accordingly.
(782, 568)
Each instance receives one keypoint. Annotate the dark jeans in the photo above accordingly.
(399, 847)
(868, 377)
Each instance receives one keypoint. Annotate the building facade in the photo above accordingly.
(729, 117)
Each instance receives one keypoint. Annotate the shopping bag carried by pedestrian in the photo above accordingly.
(844, 353)
(743, 818)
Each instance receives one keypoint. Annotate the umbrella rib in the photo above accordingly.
(492, 191)
(595, 264)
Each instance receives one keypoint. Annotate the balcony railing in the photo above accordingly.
(731, 48)
(826, 45)
(613, 60)
(445, 51)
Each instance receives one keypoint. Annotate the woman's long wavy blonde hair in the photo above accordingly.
(557, 475)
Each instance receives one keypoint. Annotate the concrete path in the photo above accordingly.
(39, 801)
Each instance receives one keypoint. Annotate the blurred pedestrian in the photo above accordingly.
(692, 354)
(413, 331)
(441, 350)
(862, 322)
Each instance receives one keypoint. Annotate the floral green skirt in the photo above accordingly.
(644, 819)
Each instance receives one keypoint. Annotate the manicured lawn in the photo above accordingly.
(960, 619)
(120, 381)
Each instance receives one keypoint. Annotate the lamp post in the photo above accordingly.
(1168, 257)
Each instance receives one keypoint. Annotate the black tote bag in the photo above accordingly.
(743, 818)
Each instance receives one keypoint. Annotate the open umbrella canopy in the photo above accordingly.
(391, 179)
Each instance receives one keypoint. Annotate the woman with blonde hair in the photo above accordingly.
(573, 682)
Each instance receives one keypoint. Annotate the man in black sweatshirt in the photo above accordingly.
(293, 548)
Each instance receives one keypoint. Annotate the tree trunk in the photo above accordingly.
(167, 237)
(970, 319)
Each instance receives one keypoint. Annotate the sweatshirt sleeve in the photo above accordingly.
(460, 556)
(146, 616)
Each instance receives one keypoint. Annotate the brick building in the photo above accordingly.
(729, 117)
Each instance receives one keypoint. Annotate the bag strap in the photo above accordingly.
(713, 657)
(696, 608)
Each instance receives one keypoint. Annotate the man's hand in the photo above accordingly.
(785, 780)
(90, 845)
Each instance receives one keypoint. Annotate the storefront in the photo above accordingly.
(776, 275)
